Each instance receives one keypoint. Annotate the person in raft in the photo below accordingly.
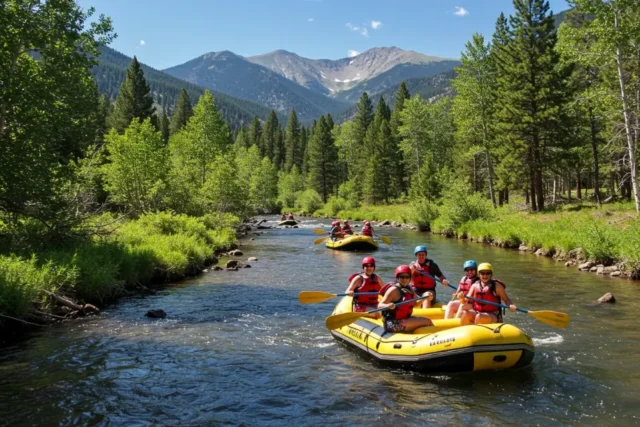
(424, 284)
(488, 289)
(290, 216)
(347, 228)
(455, 307)
(367, 230)
(367, 281)
(336, 232)
(400, 319)
(283, 217)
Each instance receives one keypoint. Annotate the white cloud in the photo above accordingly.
(376, 24)
(351, 27)
(364, 32)
(461, 11)
(142, 43)
(351, 53)
(310, 19)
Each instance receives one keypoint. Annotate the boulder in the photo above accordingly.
(232, 268)
(586, 265)
(610, 269)
(235, 252)
(252, 258)
(295, 226)
(593, 269)
(246, 266)
(385, 222)
(414, 228)
(542, 252)
(217, 268)
(396, 224)
(205, 271)
(523, 248)
(616, 274)
(568, 264)
(577, 253)
(606, 298)
(231, 263)
(156, 314)
(599, 270)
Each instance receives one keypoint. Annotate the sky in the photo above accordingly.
(164, 33)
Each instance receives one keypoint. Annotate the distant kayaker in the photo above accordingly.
(488, 289)
(425, 284)
(283, 217)
(454, 309)
(336, 232)
(367, 230)
(400, 319)
(367, 281)
(347, 228)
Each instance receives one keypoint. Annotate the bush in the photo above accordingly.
(332, 207)
(308, 201)
(459, 207)
(424, 213)
(599, 242)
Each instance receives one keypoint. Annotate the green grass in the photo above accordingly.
(402, 213)
(156, 247)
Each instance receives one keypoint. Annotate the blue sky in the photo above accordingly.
(163, 33)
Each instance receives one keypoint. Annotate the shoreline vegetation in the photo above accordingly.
(603, 240)
(37, 289)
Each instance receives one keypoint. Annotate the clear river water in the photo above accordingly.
(238, 349)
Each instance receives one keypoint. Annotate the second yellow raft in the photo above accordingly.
(352, 243)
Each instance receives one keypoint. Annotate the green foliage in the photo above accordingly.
(293, 143)
(289, 185)
(332, 207)
(308, 201)
(424, 212)
(134, 99)
(48, 104)
(323, 157)
(459, 207)
(137, 167)
(181, 113)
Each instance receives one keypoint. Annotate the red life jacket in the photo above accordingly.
(367, 231)
(420, 281)
(368, 284)
(488, 293)
(465, 284)
(346, 227)
(404, 311)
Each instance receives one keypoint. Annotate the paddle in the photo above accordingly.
(385, 239)
(320, 240)
(319, 231)
(312, 297)
(337, 321)
(552, 318)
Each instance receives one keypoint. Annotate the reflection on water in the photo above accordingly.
(237, 348)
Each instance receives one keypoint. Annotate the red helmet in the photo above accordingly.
(402, 269)
(367, 223)
(368, 260)
(346, 221)
(334, 223)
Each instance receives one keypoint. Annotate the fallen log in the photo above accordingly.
(68, 303)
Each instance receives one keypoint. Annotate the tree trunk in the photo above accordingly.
(506, 195)
(500, 197)
(569, 186)
(555, 183)
(579, 184)
(532, 183)
(627, 124)
(475, 175)
(594, 152)
(489, 167)
(526, 196)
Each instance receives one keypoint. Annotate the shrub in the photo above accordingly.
(308, 201)
(424, 213)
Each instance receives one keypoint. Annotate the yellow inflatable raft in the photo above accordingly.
(353, 243)
(444, 347)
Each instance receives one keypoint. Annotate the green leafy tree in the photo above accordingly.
(289, 184)
(398, 160)
(263, 191)
(134, 100)
(181, 113)
(48, 105)
(137, 167)
(476, 87)
(164, 127)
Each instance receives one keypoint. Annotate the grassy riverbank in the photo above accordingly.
(607, 235)
(154, 248)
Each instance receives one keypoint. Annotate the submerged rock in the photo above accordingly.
(156, 314)
(236, 252)
(231, 263)
(586, 265)
(217, 268)
(606, 298)
(252, 258)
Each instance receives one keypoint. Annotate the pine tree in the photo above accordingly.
(134, 100)
(181, 113)
(401, 178)
(255, 132)
(163, 124)
(292, 142)
(269, 138)
(531, 97)
(323, 159)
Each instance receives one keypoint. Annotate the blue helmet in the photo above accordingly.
(470, 264)
(420, 249)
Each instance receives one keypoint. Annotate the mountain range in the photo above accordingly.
(283, 80)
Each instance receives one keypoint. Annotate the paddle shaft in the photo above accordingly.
(398, 304)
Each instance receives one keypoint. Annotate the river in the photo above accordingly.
(238, 349)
